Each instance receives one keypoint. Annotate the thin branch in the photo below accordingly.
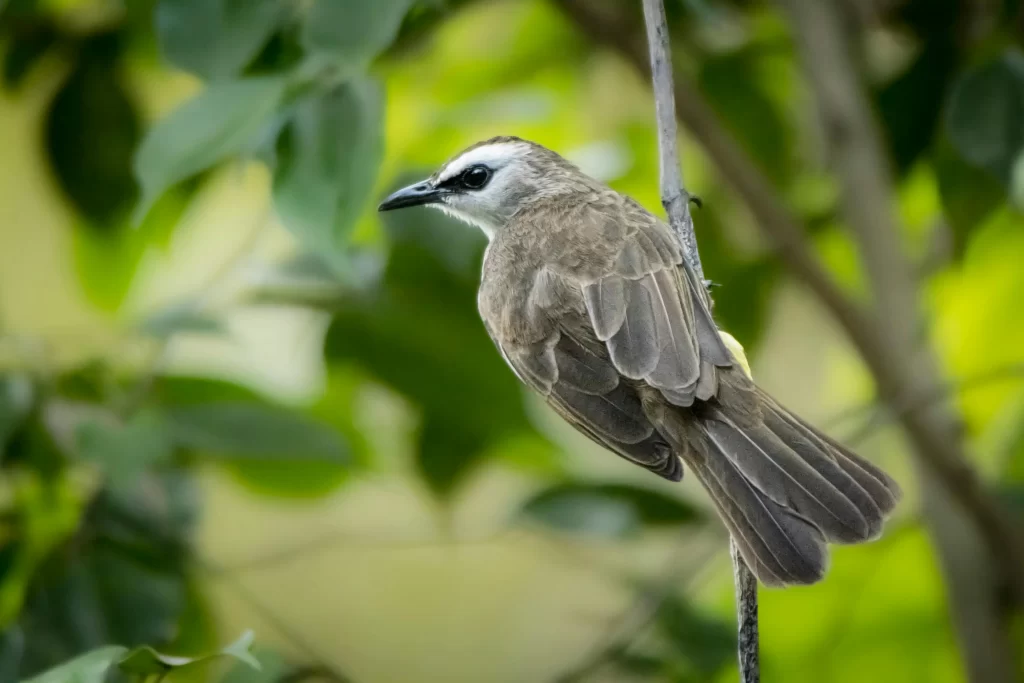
(674, 196)
(677, 205)
(746, 617)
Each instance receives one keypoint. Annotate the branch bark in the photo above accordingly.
(966, 521)
(676, 200)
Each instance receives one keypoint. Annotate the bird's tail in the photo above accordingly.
(784, 489)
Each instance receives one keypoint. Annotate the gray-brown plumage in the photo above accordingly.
(590, 301)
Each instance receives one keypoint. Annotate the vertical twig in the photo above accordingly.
(674, 196)
(676, 200)
(746, 615)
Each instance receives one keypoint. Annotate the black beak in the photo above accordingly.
(414, 195)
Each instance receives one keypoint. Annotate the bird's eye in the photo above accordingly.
(476, 177)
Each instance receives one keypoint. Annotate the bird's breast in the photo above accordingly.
(520, 297)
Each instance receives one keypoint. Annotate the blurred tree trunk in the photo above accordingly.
(978, 582)
(978, 546)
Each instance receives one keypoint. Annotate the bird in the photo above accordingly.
(590, 300)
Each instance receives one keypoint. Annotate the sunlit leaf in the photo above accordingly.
(215, 39)
(106, 263)
(352, 32)
(254, 431)
(328, 156)
(986, 114)
(88, 668)
(607, 509)
(222, 121)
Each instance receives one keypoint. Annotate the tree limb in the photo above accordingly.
(677, 205)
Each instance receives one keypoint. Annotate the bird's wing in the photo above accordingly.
(572, 370)
(651, 311)
(618, 310)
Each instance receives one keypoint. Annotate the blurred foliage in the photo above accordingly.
(102, 456)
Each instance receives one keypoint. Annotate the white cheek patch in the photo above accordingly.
(454, 212)
(492, 156)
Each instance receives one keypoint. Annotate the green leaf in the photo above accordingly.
(181, 318)
(969, 194)
(985, 121)
(607, 509)
(224, 120)
(735, 89)
(215, 39)
(91, 667)
(26, 48)
(92, 129)
(145, 661)
(125, 451)
(328, 156)
(240, 650)
(639, 664)
(242, 430)
(353, 33)
(910, 105)
(273, 669)
(16, 394)
(284, 475)
(705, 643)
(106, 263)
(12, 644)
(123, 579)
(418, 331)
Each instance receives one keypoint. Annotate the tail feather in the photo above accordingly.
(784, 489)
(877, 484)
(780, 473)
(778, 545)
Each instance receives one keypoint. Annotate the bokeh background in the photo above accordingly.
(234, 397)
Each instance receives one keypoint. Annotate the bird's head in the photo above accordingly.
(487, 183)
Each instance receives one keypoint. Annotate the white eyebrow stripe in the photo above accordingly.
(490, 155)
